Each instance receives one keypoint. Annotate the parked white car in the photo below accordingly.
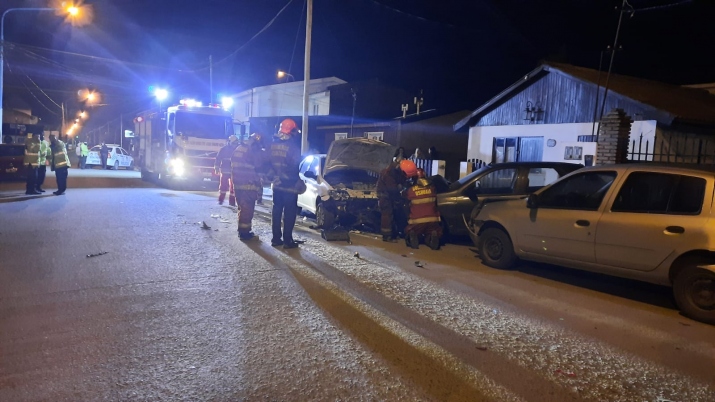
(647, 222)
(116, 158)
(341, 185)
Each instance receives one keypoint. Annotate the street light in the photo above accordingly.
(283, 74)
(161, 94)
(71, 10)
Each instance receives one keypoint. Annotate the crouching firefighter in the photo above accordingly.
(424, 219)
(245, 179)
(389, 185)
(222, 167)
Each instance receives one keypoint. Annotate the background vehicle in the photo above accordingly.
(646, 222)
(503, 180)
(11, 157)
(315, 186)
(116, 158)
(341, 185)
(184, 144)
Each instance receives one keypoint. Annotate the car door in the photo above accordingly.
(499, 181)
(653, 215)
(311, 163)
(563, 224)
(93, 156)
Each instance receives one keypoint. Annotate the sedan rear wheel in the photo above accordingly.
(116, 165)
(694, 291)
(496, 249)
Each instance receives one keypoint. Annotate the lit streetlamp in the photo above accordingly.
(282, 74)
(72, 11)
(161, 94)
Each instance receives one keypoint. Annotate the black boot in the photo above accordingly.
(389, 239)
(412, 240)
(432, 240)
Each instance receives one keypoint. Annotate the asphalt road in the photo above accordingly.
(172, 311)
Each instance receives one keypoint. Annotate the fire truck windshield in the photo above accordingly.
(203, 125)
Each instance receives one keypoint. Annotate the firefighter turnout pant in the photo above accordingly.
(226, 184)
(246, 200)
(391, 216)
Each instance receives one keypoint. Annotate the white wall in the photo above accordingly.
(284, 99)
(565, 135)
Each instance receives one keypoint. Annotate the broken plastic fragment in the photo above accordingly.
(204, 225)
(215, 216)
(419, 264)
(356, 255)
(97, 254)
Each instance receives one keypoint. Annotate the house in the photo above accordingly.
(423, 131)
(552, 114)
(332, 102)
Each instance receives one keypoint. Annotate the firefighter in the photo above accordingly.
(222, 167)
(246, 183)
(389, 185)
(424, 219)
(30, 162)
(285, 158)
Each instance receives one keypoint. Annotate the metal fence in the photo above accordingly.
(424, 164)
(673, 149)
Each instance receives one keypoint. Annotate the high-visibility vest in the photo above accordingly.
(243, 168)
(32, 152)
(423, 203)
(59, 155)
(45, 152)
(84, 150)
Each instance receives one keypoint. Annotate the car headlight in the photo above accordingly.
(177, 165)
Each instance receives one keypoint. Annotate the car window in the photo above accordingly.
(305, 164)
(581, 191)
(660, 193)
(95, 148)
(500, 181)
(540, 177)
(315, 166)
(12, 150)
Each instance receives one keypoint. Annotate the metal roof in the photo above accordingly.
(683, 104)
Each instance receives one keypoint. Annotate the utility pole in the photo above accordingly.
(121, 130)
(306, 85)
(211, 79)
(352, 119)
(62, 129)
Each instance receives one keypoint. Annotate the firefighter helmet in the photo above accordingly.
(408, 167)
(232, 138)
(288, 126)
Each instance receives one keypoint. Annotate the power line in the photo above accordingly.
(664, 6)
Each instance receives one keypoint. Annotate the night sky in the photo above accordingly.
(460, 53)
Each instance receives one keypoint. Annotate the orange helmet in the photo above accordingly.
(408, 167)
(288, 126)
(420, 173)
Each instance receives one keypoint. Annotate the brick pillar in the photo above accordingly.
(613, 135)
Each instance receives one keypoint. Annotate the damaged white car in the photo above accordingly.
(341, 186)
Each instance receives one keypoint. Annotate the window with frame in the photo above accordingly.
(660, 193)
(540, 177)
(583, 191)
(374, 135)
(500, 181)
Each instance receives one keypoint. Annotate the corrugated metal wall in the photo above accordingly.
(561, 100)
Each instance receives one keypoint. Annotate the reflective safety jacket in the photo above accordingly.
(60, 159)
(243, 168)
(285, 158)
(45, 152)
(32, 152)
(84, 151)
(223, 158)
(423, 202)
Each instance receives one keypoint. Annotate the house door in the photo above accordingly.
(517, 149)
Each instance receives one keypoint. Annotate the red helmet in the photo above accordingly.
(420, 173)
(408, 167)
(288, 126)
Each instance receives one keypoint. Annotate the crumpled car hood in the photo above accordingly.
(358, 153)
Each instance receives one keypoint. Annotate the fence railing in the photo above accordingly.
(673, 149)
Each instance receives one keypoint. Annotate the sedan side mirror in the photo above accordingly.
(310, 174)
(532, 201)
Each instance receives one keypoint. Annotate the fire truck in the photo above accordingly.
(182, 143)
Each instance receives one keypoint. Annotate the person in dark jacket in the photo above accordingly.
(246, 160)
(60, 163)
(389, 185)
(285, 158)
(103, 154)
